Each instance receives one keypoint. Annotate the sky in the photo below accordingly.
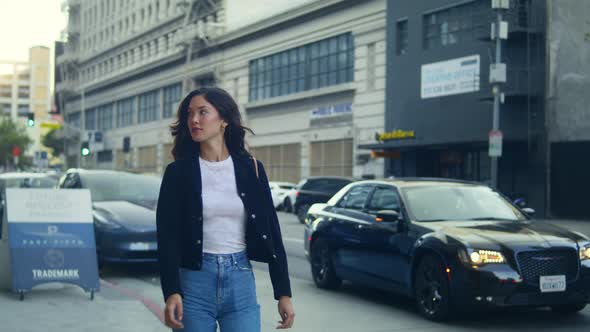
(27, 23)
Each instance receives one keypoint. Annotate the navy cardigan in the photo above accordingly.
(179, 220)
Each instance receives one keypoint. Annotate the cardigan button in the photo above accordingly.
(242, 194)
(253, 216)
(274, 256)
(198, 242)
(264, 236)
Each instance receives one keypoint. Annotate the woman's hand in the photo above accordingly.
(286, 312)
(173, 312)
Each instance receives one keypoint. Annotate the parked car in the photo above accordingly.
(22, 180)
(124, 212)
(289, 199)
(318, 189)
(278, 191)
(450, 245)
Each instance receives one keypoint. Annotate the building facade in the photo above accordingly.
(309, 81)
(25, 88)
(439, 108)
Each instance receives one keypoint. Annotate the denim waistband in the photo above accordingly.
(220, 258)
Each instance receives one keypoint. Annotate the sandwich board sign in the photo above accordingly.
(51, 238)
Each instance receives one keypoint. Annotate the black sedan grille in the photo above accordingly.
(533, 264)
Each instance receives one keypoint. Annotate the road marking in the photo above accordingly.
(293, 240)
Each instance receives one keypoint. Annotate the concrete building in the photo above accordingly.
(439, 99)
(308, 76)
(25, 87)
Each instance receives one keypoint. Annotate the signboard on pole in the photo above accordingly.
(51, 238)
(495, 148)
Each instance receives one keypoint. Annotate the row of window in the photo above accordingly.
(151, 49)
(446, 27)
(312, 66)
(115, 32)
(121, 113)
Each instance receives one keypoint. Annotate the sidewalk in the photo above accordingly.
(64, 308)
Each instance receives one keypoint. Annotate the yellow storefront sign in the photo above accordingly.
(50, 125)
(396, 134)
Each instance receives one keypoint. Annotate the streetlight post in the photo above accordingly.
(499, 31)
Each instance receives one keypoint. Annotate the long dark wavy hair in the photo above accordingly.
(185, 147)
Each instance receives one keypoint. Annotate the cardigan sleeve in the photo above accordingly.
(168, 231)
(277, 266)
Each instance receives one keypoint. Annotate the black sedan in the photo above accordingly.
(123, 207)
(448, 244)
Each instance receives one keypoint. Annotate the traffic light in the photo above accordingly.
(30, 119)
(84, 149)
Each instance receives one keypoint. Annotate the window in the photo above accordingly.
(451, 25)
(384, 199)
(90, 119)
(148, 107)
(125, 112)
(23, 109)
(105, 117)
(74, 119)
(312, 66)
(355, 198)
(401, 37)
(105, 156)
(171, 98)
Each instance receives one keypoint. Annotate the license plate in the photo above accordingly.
(139, 246)
(552, 284)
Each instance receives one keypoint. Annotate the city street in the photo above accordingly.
(352, 308)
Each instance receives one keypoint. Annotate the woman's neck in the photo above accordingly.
(214, 152)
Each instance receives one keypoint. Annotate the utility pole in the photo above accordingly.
(499, 31)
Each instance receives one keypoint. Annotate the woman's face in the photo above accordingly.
(204, 122)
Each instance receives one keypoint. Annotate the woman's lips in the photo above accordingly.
(195, 130)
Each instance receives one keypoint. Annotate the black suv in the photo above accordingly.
(317, 189)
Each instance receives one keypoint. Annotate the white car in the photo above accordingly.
(279, 191)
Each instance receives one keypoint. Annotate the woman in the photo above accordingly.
(214, 215)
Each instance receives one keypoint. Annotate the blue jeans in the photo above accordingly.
(223, 292)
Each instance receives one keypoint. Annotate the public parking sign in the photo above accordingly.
(51, 238)
(495, 149)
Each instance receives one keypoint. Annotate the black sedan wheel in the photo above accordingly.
(322, 268)
(302, 212)
(568, 308)
(431, 289)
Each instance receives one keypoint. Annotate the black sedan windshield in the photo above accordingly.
(440, 203)
(122, 187)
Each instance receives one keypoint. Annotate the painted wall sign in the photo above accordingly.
(450, 77)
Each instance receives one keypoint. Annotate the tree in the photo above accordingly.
(54, 142)
(12, 135)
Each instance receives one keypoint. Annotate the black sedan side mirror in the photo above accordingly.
(529, 212)
(387, 216)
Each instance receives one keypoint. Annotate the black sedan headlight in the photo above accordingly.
(585, 252)
(103, 222)
(478, 257)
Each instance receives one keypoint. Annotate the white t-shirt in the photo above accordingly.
(224, 216)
